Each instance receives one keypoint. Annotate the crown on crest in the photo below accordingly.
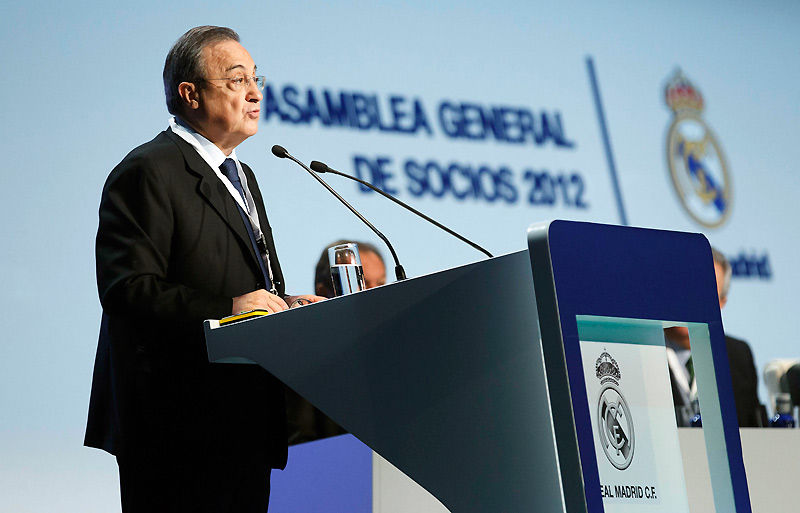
(606, 368)
(680, 94)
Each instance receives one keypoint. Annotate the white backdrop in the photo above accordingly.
(81, 87)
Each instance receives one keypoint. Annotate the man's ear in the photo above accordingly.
(190, 95)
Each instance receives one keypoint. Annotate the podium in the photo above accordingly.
(469, 380)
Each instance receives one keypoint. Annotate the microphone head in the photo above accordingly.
(280, 151)
(319, 167)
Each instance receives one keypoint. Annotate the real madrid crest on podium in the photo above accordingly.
(695, 159)
(633, 427)
(615, 423)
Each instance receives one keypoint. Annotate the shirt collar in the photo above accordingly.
(681, 352)
(207, 149)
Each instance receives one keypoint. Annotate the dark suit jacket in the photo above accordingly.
(744, 381)
(172, 250)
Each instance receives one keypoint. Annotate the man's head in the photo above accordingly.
(723, 271)
(371, 262)
(209, 83)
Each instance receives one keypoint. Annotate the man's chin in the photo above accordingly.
(251, 129)
(246, 134)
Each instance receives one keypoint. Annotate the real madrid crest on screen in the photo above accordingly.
(615, 424)
(695, 159)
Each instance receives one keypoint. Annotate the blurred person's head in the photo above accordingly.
(371, 262)
(724, 272)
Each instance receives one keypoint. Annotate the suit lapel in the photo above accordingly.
(679, 377)
(252, 184)
(257, 198)
(215, 193)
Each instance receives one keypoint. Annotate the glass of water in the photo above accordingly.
(346, 271)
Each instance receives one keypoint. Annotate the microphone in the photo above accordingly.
(320, 167)
(281, 153)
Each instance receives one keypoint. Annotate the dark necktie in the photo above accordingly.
(690, 368)
(228, 168)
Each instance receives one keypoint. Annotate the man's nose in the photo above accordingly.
(253, 92)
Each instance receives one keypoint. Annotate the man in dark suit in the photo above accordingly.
(183, 236)
(740, 359)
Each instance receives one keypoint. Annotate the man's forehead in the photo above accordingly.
(228, 56)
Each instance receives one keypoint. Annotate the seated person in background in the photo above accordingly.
(305, 422)
(740, 360)
(371, 262)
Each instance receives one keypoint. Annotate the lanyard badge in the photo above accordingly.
(264, 254)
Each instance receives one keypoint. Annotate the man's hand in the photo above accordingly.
(258, 300)
(295, 301)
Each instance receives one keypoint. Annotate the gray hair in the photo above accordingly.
(185, 60)
(727, 271)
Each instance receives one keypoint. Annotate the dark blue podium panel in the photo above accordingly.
(599, 285)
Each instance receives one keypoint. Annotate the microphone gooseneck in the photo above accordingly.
(399, 272)
(321, 167)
